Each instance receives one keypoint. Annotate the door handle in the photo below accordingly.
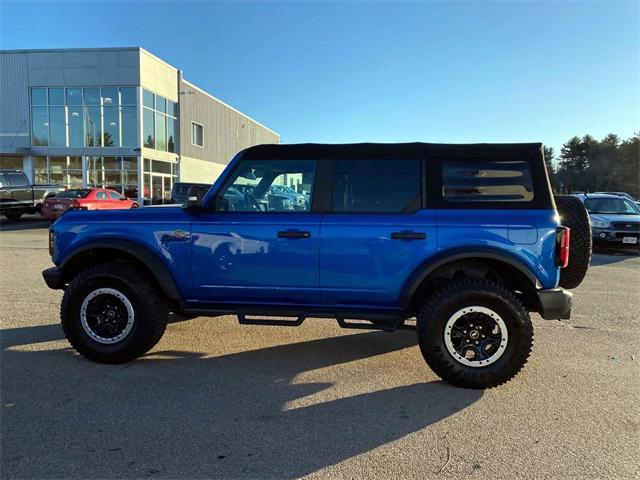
(293, 234)
(408, 236)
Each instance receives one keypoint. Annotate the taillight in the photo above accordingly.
(563, 239)
(75, 205)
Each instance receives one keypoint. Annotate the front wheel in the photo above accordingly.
(474, 333)
(113, 313)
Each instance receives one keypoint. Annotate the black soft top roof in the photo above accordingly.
(417, 149)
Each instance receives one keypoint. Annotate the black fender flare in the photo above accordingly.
(433, 263)
(142, 253)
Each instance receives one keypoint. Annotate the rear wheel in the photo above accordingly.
(574, 215)
(474, 333)
(113, 313)
(14, 215)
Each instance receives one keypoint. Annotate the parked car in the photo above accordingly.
(180, 191)
(298, 200)
(615, 220)
(85, 199)
(18, 196)
(466, 238)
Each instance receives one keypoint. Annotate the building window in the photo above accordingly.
(158, 122)
(57, 127)
(84, 117)
(40, 126)
(197, 134)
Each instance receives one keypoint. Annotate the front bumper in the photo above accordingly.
(555, 303)
(53, 278)
(615, 238)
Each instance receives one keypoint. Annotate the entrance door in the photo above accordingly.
(255, 245)
(161, 189)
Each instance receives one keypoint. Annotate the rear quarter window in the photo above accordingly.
(486, 181)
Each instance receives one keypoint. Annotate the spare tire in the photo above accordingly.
(574, 215)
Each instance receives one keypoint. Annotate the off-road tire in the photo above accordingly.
(455, 295)
(14, 215)
(149, 305)
(574, 215)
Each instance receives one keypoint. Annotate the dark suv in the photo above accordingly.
(466, 238)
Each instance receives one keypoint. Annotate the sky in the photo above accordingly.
(451, 72)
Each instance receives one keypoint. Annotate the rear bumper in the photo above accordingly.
(53, 278)
(555, 303)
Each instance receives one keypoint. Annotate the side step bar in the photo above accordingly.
(279, 322)
(294, 318)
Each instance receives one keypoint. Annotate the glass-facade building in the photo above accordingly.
(113, 118)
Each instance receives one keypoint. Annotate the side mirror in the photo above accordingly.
(194, 198)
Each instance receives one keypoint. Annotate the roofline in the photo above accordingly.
(204, 92)
(99, 49)
(53, 50)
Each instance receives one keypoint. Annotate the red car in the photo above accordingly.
(85, 199)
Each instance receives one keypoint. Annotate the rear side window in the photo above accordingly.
(74, 193)
(101, 196)
(380, 185)
(486, 181)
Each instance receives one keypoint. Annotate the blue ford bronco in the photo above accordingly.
(468, 239)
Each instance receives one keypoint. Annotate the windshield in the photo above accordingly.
(618, 206)
(78, 193)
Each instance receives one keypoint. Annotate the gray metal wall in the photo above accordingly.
(14, 103)
(226, 131)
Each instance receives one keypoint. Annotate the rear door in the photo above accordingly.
(101, 200)
(377, 232)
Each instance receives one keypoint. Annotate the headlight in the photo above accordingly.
(599, 224)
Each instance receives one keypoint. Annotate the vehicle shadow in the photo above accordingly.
(23, 224)
(183, 415)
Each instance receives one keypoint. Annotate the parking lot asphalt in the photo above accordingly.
(215, 399)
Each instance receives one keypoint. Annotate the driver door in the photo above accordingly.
(254, 246)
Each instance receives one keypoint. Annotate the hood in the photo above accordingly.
(604, 217)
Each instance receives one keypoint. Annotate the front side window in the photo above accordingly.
(377, 185)
(251, 188)
(486, 181)
(101, 195)
(197, 134)
(115, 196)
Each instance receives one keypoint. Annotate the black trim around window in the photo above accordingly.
(431, 185)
